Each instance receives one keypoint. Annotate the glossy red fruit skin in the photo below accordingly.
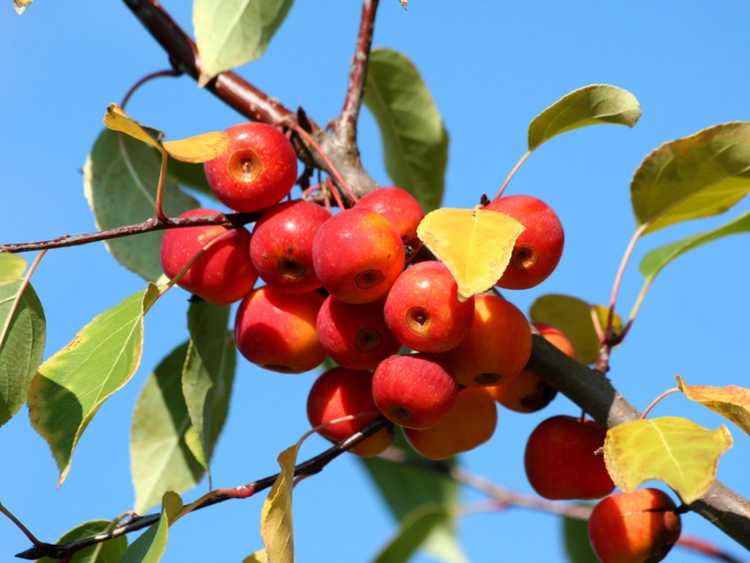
(342, 392)
(634, 527)
(258, 169)
(401, 209)
(538, 249)
(413, 391)
(281, 245)
(223, 274)
(355, 336)
(423, 311)
(560, 461)
(276, 330)
(357, 255)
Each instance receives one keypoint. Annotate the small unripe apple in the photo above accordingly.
(276, 330)
(355, 336)
(357, 255)
(529, 392)
(561, 460)
(341, 392)
(258, 169)
(497, 345)
(281, 246)
(539, 247)
(636, 527)
(413, 391)
(401, 209)
(470, 422)
(223, 274)
(423, 311)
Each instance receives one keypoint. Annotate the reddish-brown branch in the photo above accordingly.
(306, 468)
(147, 226)
(346, 125)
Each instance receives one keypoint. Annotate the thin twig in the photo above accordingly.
(512, 173)
(20, 525)
(148, 78)
(657, 400)
(346, 124)
(147, 226)
(17, 297)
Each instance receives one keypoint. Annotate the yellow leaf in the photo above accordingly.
(259, 556)
(12, 267)
(199, 148)
(475, 245)
(21, 5)
(671, 449)
(117, 120)
(731, 401)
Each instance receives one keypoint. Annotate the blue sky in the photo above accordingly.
(491, 67)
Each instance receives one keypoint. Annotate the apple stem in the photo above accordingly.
(148, 78)
(657, 400)
(512, 173)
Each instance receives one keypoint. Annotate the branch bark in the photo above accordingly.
(595, 394)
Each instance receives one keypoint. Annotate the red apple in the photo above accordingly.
(281, 246)
(401, 209)
(341, 392)
(537, 251)
(276, 330)
(258, 169)
(355, 336)
(561, 460)
(636, 527)
(413, 391)
(357, 255)
(223, 274)
(423, 311)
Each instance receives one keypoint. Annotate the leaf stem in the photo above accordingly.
(512, 173)
(148, 78)
(20, 525)
(657, 400)
(161, 217)
(18, 295)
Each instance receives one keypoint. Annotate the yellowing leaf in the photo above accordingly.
(671, 449)
(21, 5)
(12, 267)
(259, 556)
(731, 401)
(475, 245)
(199, 148)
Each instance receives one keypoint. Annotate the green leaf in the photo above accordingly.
(12, 267)
(576, 540)
(160, 458)
(110, 551)
(151, 544)
(21, 345)
(671, 449)
(573, 317)
(234, 32)
(208, 375)
(119, 179)
(415, 141)
(70, 386)
(405, 488)
(657, 259)
(591, 105)
(190, 175)
(415, 528)
(693, 177)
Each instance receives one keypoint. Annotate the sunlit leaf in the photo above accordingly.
(475, 245)
(697, 176)
(671, 449)
(69, 387)
(199, 148)
(573, 317)
(22, 337)
(276, 515)
(120, 178)
(21, 5)
(151, 544)
(730, 401)
(12, 267)
(110, 551)
(208, 375)
(233, 32)
(160, 459)
(415, 528)
(415, 141)
(405, 489)
(657, 259)
(259, 556)
(591, 105)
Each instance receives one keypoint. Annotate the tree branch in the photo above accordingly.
(595, 394)
(346, 124)
(306, 468)
(147, 226)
